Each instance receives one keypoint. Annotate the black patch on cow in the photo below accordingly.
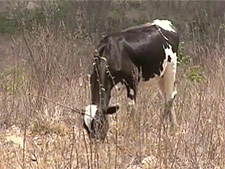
(173, 39)
(142, 48)
(169, 58)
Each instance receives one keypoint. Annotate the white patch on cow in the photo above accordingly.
(173, 59)
(131, 102)
(131, 92)
(165, 24)
(174, 94)
(90, 112)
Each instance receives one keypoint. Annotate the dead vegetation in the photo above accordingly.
(39, 133)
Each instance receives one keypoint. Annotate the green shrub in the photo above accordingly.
(45, 15)
(222, 27)
(8, 25)
(12, 79)
(183, 58)
(196, 74)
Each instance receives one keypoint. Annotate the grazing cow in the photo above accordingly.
(136, 54)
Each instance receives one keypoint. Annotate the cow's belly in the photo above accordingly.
(150, 82)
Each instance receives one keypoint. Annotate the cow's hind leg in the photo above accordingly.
(166, 84)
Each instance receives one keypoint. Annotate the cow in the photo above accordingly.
(136, 54)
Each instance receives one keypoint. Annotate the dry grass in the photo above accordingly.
(36, 133)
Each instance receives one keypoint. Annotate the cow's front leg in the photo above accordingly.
(131, 94)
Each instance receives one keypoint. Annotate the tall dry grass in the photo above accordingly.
(39, 133)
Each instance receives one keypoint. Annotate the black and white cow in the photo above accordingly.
(134, 55)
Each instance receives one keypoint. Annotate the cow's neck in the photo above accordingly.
(101, 95)
(101, 85)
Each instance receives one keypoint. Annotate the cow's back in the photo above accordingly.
(141, 48)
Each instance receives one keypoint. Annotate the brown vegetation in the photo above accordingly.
(36, 132)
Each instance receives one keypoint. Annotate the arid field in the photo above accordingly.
(44, 74)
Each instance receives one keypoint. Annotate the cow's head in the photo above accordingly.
(96, 121)
(96, 114)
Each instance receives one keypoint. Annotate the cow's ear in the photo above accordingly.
(112, 109)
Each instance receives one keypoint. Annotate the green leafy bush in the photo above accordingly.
(196, 74)
(45, 15)
(222, 26)
(12, 79)
(8, 25)
(183, 58)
